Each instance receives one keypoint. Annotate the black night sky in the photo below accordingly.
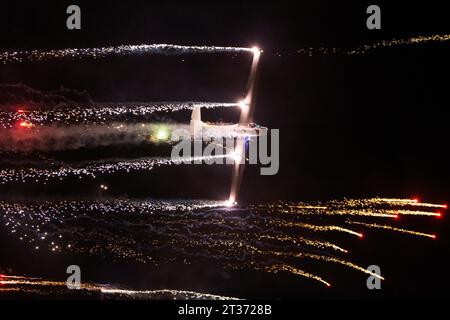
(351, 126)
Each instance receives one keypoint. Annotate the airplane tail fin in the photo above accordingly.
(196, 114)
(196, 123)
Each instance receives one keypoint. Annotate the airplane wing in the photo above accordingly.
(245, 117)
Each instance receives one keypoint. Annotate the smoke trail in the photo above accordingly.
(54, 137)
(122, 50)
(19, 94)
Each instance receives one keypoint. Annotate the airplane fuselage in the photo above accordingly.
(200, 129)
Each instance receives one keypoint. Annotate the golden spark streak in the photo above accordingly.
(313, 243)
(416, 213)
(102, 288)
(287, 268)
(314, 227)
(392, 200)
(407, 202)
(346, 212)
(386, 227)
(327, 259)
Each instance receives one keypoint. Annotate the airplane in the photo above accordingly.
(200, 129)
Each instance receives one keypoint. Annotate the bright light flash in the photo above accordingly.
(162, 134)
(25, 124)
(256, 50)
(236, 156)
(243, 104)
(230, 203)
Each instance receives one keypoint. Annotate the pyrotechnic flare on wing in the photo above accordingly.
(245, 117)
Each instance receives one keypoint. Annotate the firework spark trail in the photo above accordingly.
(327, 259)
(35, 223)
(416, 213)
(397, 42)
(315, 227)
(311, 210)
(395, 201)
(91, 170)
(235, 238)
(378, 206)
(383, 202)
(84, 208)
(122, 50)
(217, 249)
(97, 113)
(310, 242)
(253, 249)
(167, 49)
(387, 227)
(221, 250)
(260, 235)
(250, 249)
(374, 207)
(255, 239)
(339, 261)
(276, 268)
(17, 283)
(407, 202)
(116, 206)
(363, 49)
(188, 295)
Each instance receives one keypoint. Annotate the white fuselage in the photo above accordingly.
(200, 129)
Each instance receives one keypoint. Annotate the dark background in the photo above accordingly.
(351, 126)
